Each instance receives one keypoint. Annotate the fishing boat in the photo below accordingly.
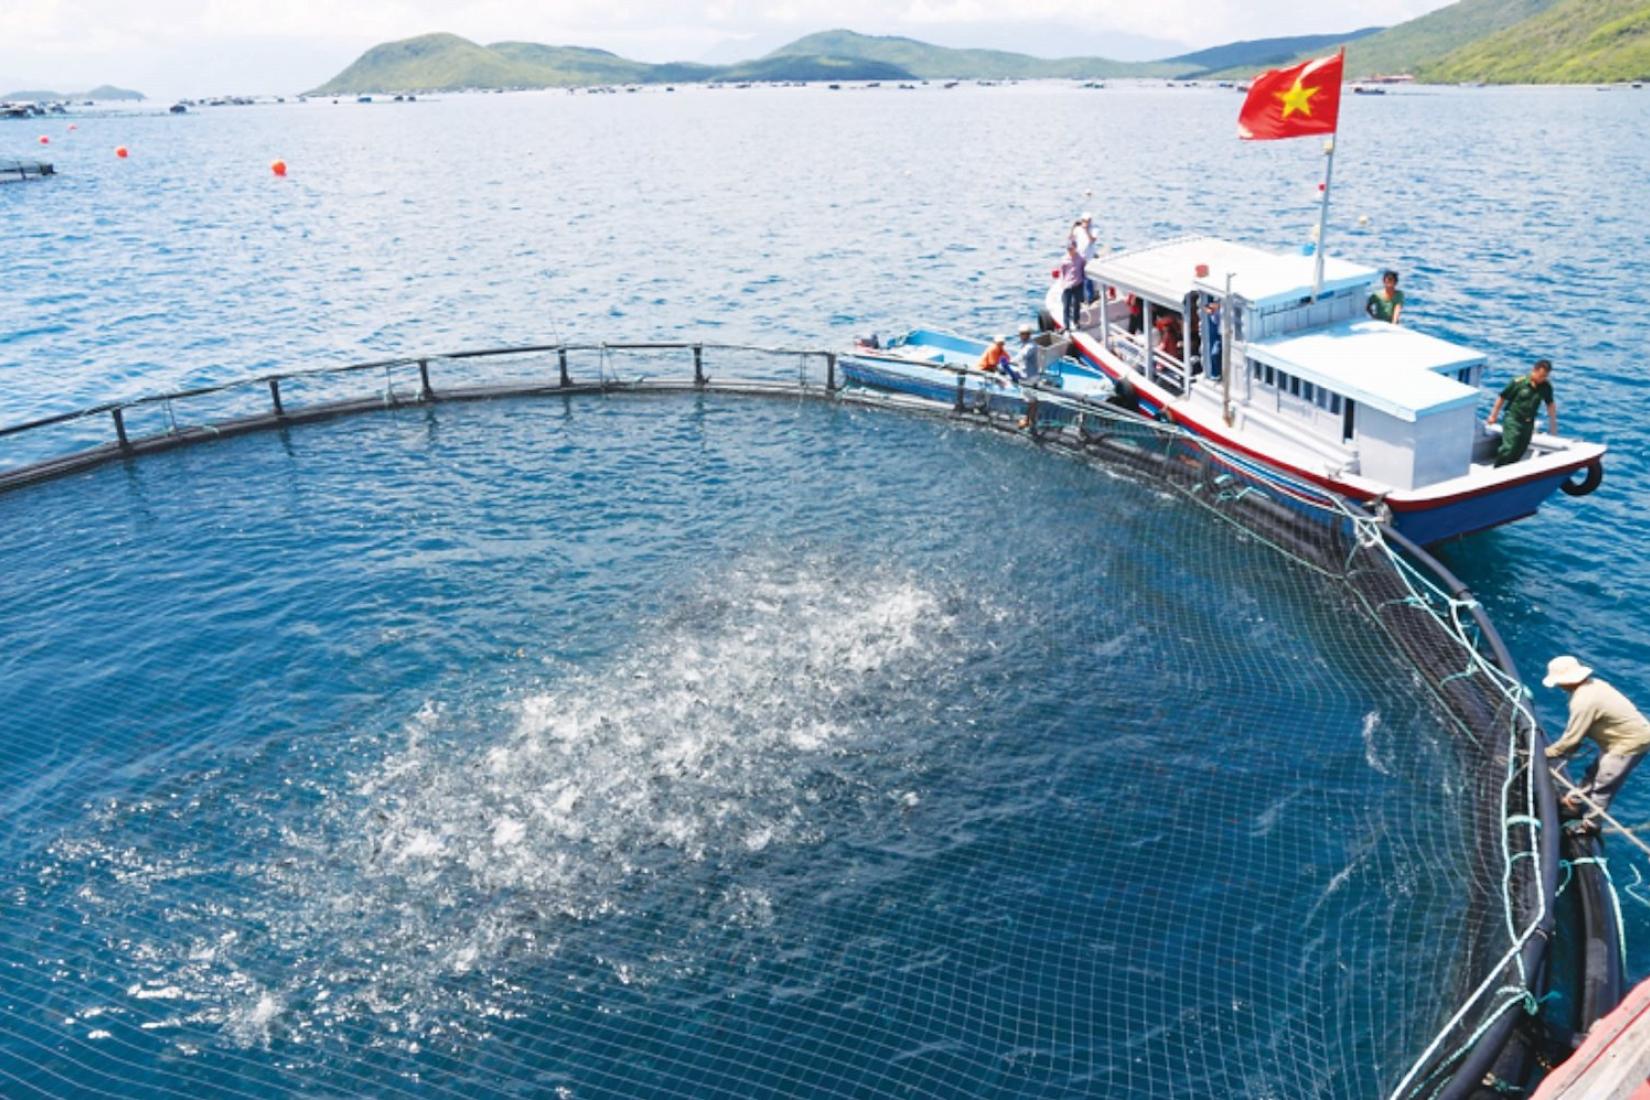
(1307, 383)
(941, 366)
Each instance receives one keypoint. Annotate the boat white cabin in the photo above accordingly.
(1381, 413)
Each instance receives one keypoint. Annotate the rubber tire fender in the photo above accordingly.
(1591, 480)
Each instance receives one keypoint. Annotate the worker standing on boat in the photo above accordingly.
(1386, 304)
(1088, 244)
(1521, 397)
(1072, 276)
(1604, 714)
(1028, 356)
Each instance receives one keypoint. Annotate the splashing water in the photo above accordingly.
(473, 846)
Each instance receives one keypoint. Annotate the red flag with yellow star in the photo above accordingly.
(1295, 102)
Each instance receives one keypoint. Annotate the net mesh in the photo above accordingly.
(1298, 853)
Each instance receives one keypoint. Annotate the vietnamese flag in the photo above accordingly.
(1295, 102)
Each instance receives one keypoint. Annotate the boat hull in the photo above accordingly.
(1423, 518)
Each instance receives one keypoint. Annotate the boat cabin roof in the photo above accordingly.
(1401, 372)
(1168, 271)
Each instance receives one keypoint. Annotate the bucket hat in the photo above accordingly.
(1565, 671)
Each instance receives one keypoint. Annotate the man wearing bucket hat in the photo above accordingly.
(1604, 714)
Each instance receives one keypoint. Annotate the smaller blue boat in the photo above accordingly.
(941, 366)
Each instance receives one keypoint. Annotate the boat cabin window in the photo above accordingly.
(1312, 395)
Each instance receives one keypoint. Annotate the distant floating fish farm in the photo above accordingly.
(12, 169)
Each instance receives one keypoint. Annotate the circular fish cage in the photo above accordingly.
(577, 726)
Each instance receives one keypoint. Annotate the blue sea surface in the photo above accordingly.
(365, 757)
(700, 746)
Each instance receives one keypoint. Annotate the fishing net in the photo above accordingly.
(949, 768)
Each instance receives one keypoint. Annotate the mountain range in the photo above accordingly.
(102, 91)
(1494, 41)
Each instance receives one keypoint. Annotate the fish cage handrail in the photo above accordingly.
(108, 407)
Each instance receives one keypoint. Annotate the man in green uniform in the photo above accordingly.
(1521, 397)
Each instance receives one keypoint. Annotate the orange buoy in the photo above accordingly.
(73, 126)
(44, 140)
(121, 151)
(278, 166)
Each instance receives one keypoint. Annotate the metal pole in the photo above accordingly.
(561, 358)
(1323, 215)
(1185, 342)
(275, 397)
(120, 429)
(1146, 337)
(424, 392)
(1105, 317)
(1225, 352)
(698, 364)
(830, 372)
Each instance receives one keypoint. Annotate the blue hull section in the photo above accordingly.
(1476, 513)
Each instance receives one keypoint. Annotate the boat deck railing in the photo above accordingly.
(1428, 613)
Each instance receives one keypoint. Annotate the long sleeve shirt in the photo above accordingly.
(1599, 711)
(1071, 271)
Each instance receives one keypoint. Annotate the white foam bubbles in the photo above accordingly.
(499, 828)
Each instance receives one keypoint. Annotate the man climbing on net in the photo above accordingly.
(1600, 712)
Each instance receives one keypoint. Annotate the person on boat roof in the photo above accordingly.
(1386, 304)
(1521, 397)
(1072, 278)
(1604, 714)
(996, 358)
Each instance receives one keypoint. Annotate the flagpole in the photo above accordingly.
(1323, 206)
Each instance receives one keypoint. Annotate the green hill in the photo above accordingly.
(428, 62)
(102, 91)
(940, 62)
(1410, 47)
(1263, 52)
(1573, 41)
(446, 62)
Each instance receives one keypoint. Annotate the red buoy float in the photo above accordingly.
(121, 151)
(278, 166)
(44, 140)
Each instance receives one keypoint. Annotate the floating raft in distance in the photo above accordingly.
(12, 169)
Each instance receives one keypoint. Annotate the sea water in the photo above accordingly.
(326, 752)
(697, 745)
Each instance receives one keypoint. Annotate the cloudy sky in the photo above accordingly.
(190, 47)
